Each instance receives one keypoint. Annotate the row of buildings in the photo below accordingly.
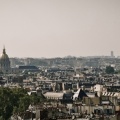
(79, 93)
(5, 65)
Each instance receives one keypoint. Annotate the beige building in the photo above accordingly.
(4, 62)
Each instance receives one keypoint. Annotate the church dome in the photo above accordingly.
(4, 62)
(4, 56)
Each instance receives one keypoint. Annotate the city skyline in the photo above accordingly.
(110, 55)
(44, 28)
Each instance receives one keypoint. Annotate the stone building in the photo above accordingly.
(4, 62)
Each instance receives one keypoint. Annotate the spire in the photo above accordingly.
(4, 52)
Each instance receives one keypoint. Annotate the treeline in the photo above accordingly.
(16, 101)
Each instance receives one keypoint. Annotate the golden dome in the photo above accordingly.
(4, 62)
(4, 55)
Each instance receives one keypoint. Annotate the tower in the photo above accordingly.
(4, 62)
(112, 54)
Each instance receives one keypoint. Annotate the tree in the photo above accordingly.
(109, 70)
(15, 101)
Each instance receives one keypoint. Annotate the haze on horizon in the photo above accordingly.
(58, 28)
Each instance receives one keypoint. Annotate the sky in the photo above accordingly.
(58, 28)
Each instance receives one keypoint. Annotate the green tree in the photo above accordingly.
(109, 70)
(15, 101)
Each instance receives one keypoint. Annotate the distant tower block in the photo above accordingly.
(112, 54)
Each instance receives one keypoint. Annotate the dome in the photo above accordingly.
(4, 62)
(4, 56)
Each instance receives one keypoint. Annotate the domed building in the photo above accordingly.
(4, 62)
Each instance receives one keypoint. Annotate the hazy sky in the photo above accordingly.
(57, 28)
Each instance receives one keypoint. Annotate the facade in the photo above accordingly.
(4, 62)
